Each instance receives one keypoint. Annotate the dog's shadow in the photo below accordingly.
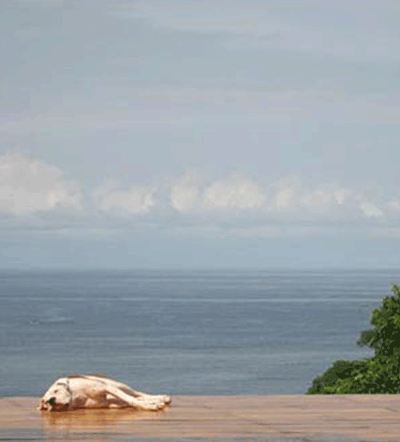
(95, 419)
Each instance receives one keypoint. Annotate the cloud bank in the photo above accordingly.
(29, 185)
(133, 200)
(32, 190)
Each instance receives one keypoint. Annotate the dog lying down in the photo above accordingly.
(96, 391)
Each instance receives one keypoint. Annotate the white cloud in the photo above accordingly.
(288, 195)
(318, 199)
(340, 195)
(285, 194)
(284, 198)
(185, 193)
(371, 211)
(394, 205)
(134, 200)
(234, 193)
(29, 185)
(323, 198)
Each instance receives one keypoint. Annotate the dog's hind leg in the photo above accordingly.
(152, 403)
(130, 391)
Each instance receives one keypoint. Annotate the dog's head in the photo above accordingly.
(57, 398)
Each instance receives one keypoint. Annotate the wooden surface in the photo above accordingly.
(357, 417)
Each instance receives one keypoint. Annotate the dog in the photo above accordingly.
(97, 391)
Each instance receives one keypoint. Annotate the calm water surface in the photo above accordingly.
(236, 332)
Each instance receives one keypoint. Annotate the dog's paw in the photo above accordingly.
(153, 406)
(167, 399)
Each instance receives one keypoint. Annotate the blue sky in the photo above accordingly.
(197, 133)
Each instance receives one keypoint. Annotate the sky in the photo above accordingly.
(199, 134)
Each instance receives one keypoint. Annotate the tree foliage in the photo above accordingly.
(341, 370)
(379, 374)
(384, 336)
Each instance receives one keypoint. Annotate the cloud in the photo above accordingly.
(371, 211)
(189, 194)
(29, 185)
(321, 198)
(133, 200)
(394, 205)
(233, 193)
(289, 196)
(185, 193)
(285, 196)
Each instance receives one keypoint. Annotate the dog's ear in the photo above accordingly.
(72, 376)
(97, 375)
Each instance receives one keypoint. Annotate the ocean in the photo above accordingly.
(184, 332)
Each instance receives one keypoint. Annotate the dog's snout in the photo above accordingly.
(52, 401)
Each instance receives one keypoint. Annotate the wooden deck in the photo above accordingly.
(356, 417)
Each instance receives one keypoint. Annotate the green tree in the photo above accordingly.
(384, 336)
(340, 371)
(379, 374)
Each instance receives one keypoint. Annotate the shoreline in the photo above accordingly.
(355, 417)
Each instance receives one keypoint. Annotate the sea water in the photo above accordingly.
(184, 332)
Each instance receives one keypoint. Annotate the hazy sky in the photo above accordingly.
(199, 133)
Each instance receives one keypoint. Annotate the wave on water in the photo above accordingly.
(52, 316)
(40, 321)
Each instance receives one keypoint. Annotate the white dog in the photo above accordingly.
(96, 391)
